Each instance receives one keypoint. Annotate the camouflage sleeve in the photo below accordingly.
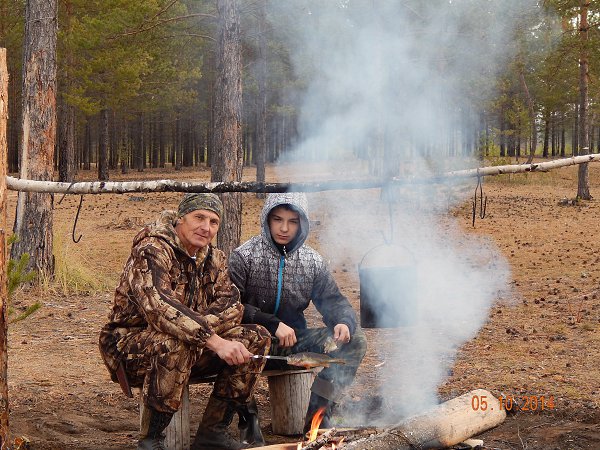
(151, 287)
(225, 310)
(331, 303)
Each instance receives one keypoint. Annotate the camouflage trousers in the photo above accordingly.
(163, 365)
(332, 380)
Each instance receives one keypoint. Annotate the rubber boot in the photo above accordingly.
(153, 438)
(314, 404)
(212, 432)
(249, 426)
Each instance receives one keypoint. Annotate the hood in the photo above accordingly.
(299, 202)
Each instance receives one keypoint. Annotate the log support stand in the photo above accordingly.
(289, 392)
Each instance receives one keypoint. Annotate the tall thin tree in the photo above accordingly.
(583, 183)
(4, 411)
(227, 139)
(103, 146)
(261, 110)
(33, 220)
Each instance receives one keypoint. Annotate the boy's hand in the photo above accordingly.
(341, 333)
(286, 335)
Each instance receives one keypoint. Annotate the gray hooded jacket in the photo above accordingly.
(257, 266)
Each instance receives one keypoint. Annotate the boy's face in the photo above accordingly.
(283, 224)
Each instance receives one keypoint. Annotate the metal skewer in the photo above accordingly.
(282, 358)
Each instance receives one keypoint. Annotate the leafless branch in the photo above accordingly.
(161, 22)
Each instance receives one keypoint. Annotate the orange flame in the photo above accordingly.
(314, 424)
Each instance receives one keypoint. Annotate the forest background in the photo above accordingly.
(137, 87)
(140, 77)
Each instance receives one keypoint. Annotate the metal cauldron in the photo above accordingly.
(388, 287)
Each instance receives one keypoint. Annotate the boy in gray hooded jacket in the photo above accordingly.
(278, 275)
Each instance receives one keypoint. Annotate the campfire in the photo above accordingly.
(326, 440)
(445, 425)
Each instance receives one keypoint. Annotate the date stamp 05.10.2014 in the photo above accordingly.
(514, 403)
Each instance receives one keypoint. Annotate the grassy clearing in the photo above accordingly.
(72, 274)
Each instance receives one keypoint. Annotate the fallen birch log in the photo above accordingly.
(123, 187)
(524, 168)
(447, 424)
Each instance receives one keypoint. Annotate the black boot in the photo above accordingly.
(212, 432)
(314, 404)
(152, 438)
(249, 426)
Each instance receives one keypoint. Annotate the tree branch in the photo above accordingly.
(160, 22)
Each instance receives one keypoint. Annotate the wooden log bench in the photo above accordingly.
(289, 393)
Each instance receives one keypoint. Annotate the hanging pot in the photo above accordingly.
(388, 283)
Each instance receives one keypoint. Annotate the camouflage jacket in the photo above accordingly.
(165, 289)
(255, 268)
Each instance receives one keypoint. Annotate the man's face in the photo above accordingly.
(197, 229)
(283, 224)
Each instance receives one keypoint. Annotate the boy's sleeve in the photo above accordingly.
(331, 303)
(238, 271)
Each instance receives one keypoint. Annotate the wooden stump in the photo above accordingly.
(177, 434)
(289, 393)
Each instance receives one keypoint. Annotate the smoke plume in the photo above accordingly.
(395, 88)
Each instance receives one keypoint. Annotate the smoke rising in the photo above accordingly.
(394, 88)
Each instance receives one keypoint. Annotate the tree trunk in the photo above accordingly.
(177, 143)
(4, 428)
(228, 164)
(66, 144)
(103, 147)
(260, 150)
(33, 221)
(188, 143)
(138, 151)
(13, 126)
(154, 139)
(546, 136)
(161, 141)
(114, 132)
(583, 179)
(563, 138)
(502, 134)
(553, 134)
(87, 146)
(531, 110)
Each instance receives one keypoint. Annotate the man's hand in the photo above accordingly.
(286, 335)
(341, 333)
(225, 290)
(232, 352)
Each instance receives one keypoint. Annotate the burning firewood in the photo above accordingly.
(325, 438)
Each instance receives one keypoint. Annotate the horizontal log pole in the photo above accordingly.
(124, 187)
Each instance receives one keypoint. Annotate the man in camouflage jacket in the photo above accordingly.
(175, 315)
(278, 275)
